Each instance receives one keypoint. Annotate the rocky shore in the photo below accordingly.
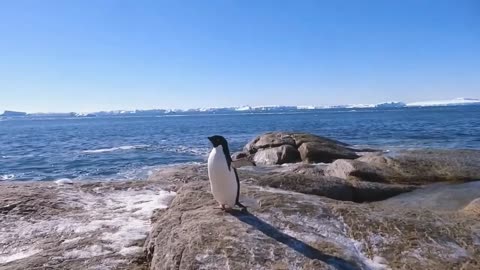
(314, 203)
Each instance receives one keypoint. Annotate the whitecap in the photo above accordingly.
(197, 151)
(119, 148)
(5, 177)
(64, 181)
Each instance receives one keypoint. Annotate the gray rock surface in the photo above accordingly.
(277, 155)
(314, 152)
(79, 226)
(298, 179)
(412, 167)
(290, 147)
(289, 230)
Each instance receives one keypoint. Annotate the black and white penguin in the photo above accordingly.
(223, 176)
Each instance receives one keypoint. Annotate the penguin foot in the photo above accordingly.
(243, 207)
(222, 207)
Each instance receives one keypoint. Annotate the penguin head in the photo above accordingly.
(218, 140)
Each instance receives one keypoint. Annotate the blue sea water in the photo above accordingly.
(123, 147)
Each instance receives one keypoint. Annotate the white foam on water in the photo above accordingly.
(64, 181)
(5, 177)
(119, 148)
(18, 255)
(197, 151)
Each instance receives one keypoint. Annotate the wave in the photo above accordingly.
(5, 177)
(64, 181)
(196, 151)
(119, 148)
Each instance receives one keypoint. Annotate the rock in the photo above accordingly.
(239, 163)
(191, 234)
(410, 167)
(269, 140)
(293, 223)
(330, 187)
(175, 176)
(314, 152)
(289, 230)
(242, 159)
(89, 225)
(278, 155)
(239, 155)
(441, 197)
(309, 148)
(301, 138)
(358, 170)
(473, 208)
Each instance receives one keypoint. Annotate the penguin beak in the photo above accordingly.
(210, 139)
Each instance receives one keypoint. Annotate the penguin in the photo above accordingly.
(223, 176)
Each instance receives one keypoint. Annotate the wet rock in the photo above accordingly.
(411, 167)
(79, 226)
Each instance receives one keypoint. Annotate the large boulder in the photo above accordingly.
(314, 152)
(289, 230)
(294, 147)
(278, 155)
(269, 140)
(410, 167)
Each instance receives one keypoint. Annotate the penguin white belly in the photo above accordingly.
(223, 181)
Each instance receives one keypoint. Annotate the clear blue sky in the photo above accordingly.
(111, 54)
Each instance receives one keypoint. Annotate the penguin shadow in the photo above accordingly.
(291, 242)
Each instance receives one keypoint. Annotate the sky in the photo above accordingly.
(62, 56)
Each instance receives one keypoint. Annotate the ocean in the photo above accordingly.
(131, 147)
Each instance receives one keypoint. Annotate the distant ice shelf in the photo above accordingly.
(449, 102)
(253, 109)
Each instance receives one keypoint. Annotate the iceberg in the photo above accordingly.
(306, 107)
(244, 108)
(392, 104)
(13, 114)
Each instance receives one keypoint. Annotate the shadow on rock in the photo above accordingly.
(293, 243)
